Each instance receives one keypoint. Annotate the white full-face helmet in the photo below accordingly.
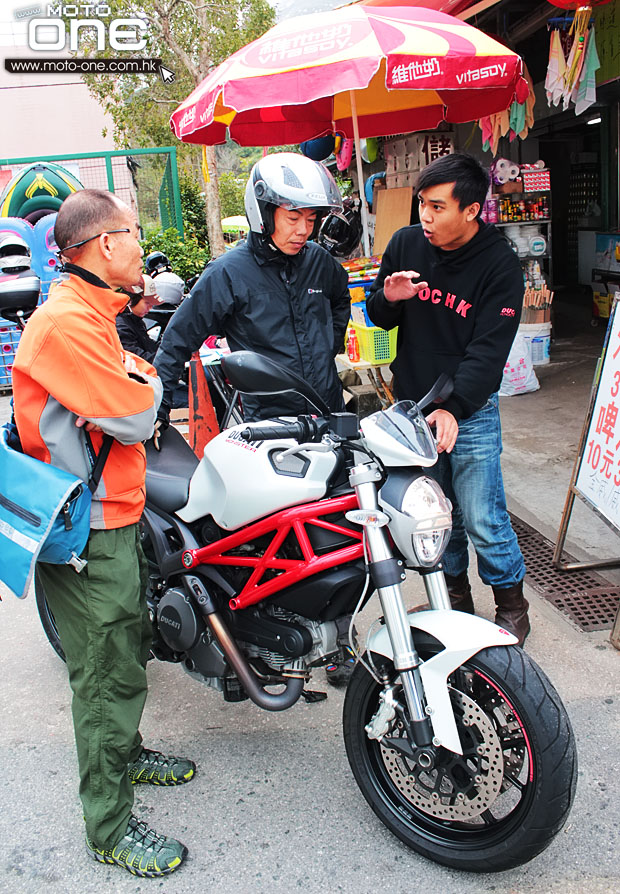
(288, 180)
(14, 255)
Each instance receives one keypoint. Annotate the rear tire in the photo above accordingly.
(46, 616)
(500, 804)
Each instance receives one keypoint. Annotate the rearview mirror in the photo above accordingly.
(252, 373)
(441, 390)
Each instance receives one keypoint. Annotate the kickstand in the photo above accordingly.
(313, 695)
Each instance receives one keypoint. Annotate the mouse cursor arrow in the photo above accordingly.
(167, 76)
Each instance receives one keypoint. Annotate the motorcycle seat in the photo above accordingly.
(169, 470)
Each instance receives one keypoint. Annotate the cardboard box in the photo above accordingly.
(608, 252)
(536, 181)
(512, 186)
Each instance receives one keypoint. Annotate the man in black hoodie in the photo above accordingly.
(460, 317)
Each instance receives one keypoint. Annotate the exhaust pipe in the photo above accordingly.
(249, 681)
(294, 686)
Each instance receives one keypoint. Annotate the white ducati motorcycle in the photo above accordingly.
(262, 553)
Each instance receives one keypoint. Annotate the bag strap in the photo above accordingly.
(97, 471)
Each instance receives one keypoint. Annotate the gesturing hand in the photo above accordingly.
(398, 286)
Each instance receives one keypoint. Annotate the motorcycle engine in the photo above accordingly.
(324, 641)
(177, 620)
(183, 630)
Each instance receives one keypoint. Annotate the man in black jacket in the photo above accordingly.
(130, 324)
(460, 317)
(276, 293)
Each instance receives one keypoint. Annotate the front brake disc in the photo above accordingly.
(457, 787)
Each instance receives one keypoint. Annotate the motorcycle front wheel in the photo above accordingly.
(501, 802)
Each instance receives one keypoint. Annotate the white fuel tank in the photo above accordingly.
(238, 482)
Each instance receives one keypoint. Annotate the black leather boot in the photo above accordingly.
(459, 591)
(511, 611)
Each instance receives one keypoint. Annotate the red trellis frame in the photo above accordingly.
(281, 524)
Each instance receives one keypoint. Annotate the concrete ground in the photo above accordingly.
(274, 807)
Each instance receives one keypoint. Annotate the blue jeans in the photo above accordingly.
(471, 478)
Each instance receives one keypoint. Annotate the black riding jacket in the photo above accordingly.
(134, 335)
(291, 308)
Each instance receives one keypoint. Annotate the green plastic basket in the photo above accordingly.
(376, 345)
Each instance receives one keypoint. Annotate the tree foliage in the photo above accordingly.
(190, 37)
(193, 208)
(232, 194)
(187, 256)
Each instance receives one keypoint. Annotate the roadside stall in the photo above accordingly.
(359, 72)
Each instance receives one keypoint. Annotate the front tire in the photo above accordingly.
(47, 618)
(510, 793)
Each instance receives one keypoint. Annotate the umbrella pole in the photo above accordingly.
(360, 176)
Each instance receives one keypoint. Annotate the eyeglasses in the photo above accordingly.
(61, 251)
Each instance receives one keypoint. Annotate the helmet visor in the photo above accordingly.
(293, 181)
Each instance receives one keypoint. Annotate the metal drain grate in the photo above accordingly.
(585, 597)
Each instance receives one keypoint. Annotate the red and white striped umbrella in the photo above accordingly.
(389, 69)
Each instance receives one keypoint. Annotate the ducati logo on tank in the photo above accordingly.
(235, 438)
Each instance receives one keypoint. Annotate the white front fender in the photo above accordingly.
(462, 635)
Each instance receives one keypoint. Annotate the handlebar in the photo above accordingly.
(305, 429)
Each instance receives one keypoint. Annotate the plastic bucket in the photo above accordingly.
(538, 337)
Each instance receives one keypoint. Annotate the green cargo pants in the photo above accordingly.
(105, 632)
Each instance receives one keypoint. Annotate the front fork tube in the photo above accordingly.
(387, 573)
(436, 590)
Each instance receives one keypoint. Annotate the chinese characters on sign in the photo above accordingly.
(296, 47)
(598, 479)
(434, 145)
(406, 156)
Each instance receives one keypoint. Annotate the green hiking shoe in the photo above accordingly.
(142, 851)
(161, 769)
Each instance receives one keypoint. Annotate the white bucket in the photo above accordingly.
(538, 337)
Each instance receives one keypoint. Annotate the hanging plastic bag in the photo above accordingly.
(519, 376)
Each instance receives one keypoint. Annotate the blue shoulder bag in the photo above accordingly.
(44, 511)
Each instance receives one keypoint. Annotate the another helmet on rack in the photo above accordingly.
(156, 263)
(341, 232)
(170, 287)
(19, 285)
(14, 255)
(291, 181)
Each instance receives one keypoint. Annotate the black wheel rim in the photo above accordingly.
(428, 803)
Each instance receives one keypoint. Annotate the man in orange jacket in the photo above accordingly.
(70, 375)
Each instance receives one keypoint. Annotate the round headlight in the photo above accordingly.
(422, 523)
(430, 546)
(427, 504)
